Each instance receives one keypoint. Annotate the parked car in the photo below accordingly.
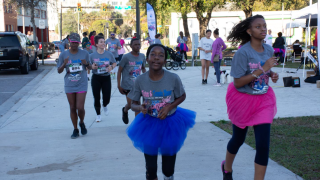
(16, 51)
(48, 49)
(56, 44)
(127, 40)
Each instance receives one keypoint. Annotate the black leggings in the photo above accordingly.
(185, 54)
(99, 83)
(168, 163)
(262, 135)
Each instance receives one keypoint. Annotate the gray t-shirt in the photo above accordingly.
(111, 43)
(88, 50)
(182, 40)
(245, 61)
(157, 94)
(64, 42)
(75, 79)
(157, 41)
(131, 69)
(150, 41)
(103, 61)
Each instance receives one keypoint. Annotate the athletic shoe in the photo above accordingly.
(75, 134)
(218, 84)
(125, 117)
(203, 82)
(98, 119)
(83, 129)
(226, 175)
(106, 112)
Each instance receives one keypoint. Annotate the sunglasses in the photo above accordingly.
(112, 34)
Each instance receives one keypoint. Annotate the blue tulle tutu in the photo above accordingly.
(154, 136)
(183, 47)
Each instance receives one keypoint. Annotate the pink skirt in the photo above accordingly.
(250, 110)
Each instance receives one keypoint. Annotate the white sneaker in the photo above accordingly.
(98, 119)
(218, 84)
(105, 109)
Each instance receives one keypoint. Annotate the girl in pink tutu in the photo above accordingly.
(250, 99)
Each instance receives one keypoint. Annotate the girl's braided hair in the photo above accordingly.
(239, 33)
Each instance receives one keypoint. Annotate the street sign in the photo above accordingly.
(159, 26)
(42, 24)
(122, 7)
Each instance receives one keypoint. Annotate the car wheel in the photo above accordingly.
(25, 69)
(35, 64)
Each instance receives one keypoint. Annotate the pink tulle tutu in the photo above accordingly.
(250, 110)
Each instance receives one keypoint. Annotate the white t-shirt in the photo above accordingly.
(206, 44)
(268, 39)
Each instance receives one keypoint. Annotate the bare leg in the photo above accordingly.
(81, 97)
(207, 68)
(73, 111)
(203, 66)
(259, 171)
(229, 161)
(128, 106)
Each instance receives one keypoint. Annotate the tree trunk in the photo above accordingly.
(34, 29)
(185, 24)
(248, 12)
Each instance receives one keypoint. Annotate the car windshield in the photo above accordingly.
(8, 40)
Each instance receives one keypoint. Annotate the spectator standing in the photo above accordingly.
(121, 51)
(278, 47)
(182, 44)
(85, 40)
(268, 39)
(157, 39)
(217, 47)
(205, 47)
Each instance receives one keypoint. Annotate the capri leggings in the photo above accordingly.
(262, 135)
(99, 83)
(168, 163)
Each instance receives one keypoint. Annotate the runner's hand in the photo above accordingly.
(84, 62)
(274, 77)
(269, 63)
(66, 60)
(143, 108)
(163, 112)
(109, 68)
(94, 66)
(121, 90)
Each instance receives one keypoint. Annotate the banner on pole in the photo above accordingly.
(152, 21)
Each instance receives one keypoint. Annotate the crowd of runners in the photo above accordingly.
(160, 126)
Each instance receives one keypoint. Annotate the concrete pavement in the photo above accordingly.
(36, 131)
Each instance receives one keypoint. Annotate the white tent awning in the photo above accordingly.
(305, 12)
(296, 24)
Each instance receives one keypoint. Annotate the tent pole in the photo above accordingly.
(306, 46)
(318, 29)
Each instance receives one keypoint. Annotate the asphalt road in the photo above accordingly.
(13, 83)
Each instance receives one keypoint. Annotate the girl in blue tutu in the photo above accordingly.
(162, 126)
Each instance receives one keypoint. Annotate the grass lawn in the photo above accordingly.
(295, 144)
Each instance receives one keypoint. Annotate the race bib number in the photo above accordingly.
(75, 68)
(102, 70)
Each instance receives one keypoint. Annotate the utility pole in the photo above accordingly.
(61, 22)
(78, 22)
(138, 19)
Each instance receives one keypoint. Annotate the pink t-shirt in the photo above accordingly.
(122, 42)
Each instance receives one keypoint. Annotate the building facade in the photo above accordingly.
(8, 17)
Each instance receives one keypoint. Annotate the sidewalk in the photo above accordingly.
(36, 141)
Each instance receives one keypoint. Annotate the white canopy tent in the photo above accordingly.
(309, 12)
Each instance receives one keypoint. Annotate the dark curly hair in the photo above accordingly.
(239, 33)
(96, 39)
(160, 45)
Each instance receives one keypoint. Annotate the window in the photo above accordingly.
(20, 11)
(27, 12)
(9, 28)
(5, 8)
(43, 14)
(37, 13)
(114, 3)
(10, 9)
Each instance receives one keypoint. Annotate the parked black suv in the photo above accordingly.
(16, 51)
